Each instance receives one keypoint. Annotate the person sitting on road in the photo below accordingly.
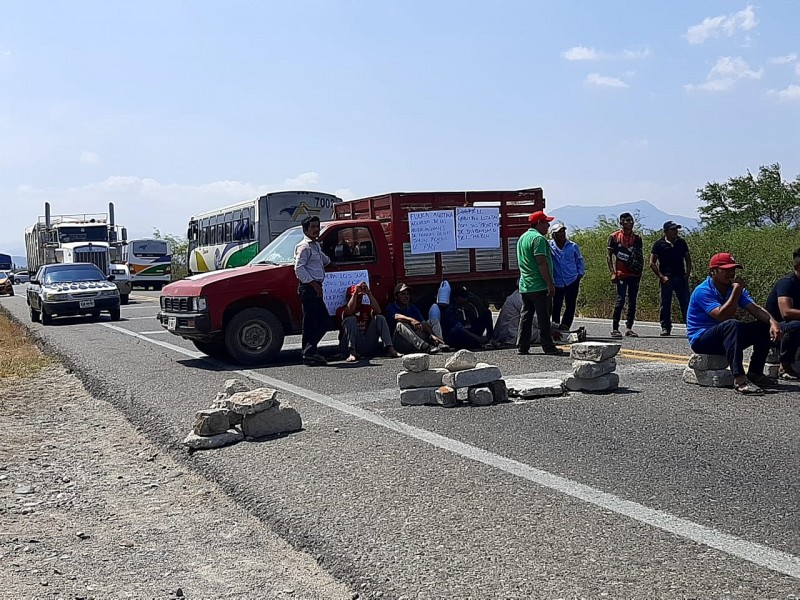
(467, 323)
(364, 330)
(411, 332)
(712, 328)
(783, 304)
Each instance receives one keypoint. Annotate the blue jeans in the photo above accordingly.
(790, 343)
(680, 287)
(730, 338)
(629, 286)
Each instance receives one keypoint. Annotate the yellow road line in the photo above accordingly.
(143, 298)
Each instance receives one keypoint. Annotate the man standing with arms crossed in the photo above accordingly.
(309, 266)
(671, 262)
(535, 259)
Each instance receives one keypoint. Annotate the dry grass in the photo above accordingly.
(19, 356)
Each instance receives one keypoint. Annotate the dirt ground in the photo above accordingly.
(89, 508)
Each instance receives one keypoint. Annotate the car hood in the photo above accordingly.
(78, 286)
(216, 282)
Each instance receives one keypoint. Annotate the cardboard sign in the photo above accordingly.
(478, 227)
(432, 231)
(334, 288)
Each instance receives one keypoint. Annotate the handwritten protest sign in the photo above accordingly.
(478, 227)
(432, 231)
(335, 286)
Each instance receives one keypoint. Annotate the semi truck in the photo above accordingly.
(93, 238)
(245, 313)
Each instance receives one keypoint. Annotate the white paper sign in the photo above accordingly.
(334, 288)
(432, 231)
(478, 227)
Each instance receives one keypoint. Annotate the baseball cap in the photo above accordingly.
(401, 287)
(723, 260)
(537, 216)
(672, 225)
(556, 227)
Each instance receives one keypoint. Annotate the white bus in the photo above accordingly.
(150, 262)
(233, 235)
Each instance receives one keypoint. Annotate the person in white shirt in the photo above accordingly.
(309, 266)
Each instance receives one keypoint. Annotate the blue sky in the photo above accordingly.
(172, 108)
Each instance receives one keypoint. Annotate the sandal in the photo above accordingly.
(616, 333)
(747, 388)
(631, 333)
(788, 374)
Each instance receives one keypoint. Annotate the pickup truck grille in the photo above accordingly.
(176, 303)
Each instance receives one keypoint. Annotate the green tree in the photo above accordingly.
(180, 246)
(749, 201)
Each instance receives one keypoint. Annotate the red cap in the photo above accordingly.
(723, 260)
(539, 215)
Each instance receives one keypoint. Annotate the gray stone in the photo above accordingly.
(708, 378)
(278, 419)
(234, 386)
(708, 362)
(417, 362)
(446, 396)
(461, 360)
(235, 418)
(432, 378)
(598, 384)
(211, 421)
(419, 396)
(251, 402)
(480, 396)
(772, 370)
(534, 388)
(201, 442)
(482, 374)
(774, 356)
(595, 351)
(588, 369)
(499, 391)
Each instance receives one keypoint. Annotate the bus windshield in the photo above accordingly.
(281, 250)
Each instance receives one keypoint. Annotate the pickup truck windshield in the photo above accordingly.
(280, 251)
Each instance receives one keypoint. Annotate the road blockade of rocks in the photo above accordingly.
(593, 367)
(239, 413)
(708, 370)
(421, 385)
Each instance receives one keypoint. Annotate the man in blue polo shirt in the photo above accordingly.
(783, 304)
(712, 328)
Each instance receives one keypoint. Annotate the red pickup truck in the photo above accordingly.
(245, 313)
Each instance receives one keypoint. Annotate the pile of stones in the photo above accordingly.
(421, 385)
(593, 367)
(239, 413)
(708, 370)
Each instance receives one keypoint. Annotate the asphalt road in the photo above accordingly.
(659, 490)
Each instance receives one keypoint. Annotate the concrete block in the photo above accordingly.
(588, 369)
(708, 362)
(251, 402)
(499, 391)
(598, 384)
(461, 360)
(482, 374)
(774, 356)
(419, 396)
(201, 442)
(278, 419)
(708, 378)
(534, 388)
(480, 396)
(772, 370)
(211, 421)
(432, 378)
(417, 362)
(446, 396)
(594, 351)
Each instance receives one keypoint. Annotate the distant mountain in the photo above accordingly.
(649, 217)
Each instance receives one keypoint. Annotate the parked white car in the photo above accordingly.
(21, 277)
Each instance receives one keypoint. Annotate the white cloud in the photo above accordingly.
(90, 158)
(783, 60)
(604, 81)
(302, 180)
(725, 25)
(790, 94)
(584, 53)
(5, 52)
(724, 75)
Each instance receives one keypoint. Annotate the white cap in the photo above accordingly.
(557, 227)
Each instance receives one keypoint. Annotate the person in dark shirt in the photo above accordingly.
(783, 304)
(671, 262)
(467, 323)
(411, 332)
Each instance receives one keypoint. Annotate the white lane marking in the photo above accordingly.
(154, 332)
(782, 562)
(140, 318)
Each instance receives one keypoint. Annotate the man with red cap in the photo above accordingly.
(712, 328)
(536, 286)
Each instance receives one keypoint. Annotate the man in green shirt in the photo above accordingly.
(536, 284)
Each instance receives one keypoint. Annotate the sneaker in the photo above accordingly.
(665, 332)
(523, 352)
(616, 333)
(434, 350)
(555, 352)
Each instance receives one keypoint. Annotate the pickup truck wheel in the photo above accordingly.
(123, 298)
(254, 336)
(213, 349)
(46, 319)
(34, 315)
(114, 314)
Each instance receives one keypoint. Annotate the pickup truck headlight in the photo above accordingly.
(53, 297)
(200, 304)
